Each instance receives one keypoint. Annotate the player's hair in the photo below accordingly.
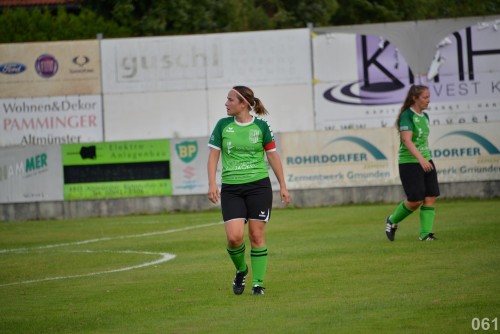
(246, 95)
(414, 92)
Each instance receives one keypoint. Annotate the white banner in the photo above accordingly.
(184, 114)
(139, 116)
(362, 80)
(468, 152)
(206, 61)
(329, 159)
(51, 120)
(188, 162)
(31, 174)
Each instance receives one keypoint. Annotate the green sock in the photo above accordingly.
(238, 257)
(427, 214)
(400, 213)
(259, 265)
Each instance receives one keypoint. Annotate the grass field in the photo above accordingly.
(331, 270)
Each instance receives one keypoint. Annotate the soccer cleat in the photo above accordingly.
(428, 237)
(390, 229)
(239, 282)
(258, 290)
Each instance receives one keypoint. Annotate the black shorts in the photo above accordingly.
(418, 184)
(252, 200)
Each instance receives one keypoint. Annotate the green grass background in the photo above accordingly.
(331, 270)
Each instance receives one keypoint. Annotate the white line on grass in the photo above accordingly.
(164, 256)
(83, 242)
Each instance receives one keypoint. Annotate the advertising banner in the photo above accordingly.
(117, 169)
(350, 158)
(467, 152)
(189, 166)
(263, 58)
(30, 174)
(51, 120)
(362, 80)
(195, 62)
(50, 69)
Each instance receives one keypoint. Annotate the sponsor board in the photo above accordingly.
(466, 153)
(195, 62)
(30, 174)
(368, 86)
(51, 120)
(339, 158)
(50, 69)
(189, 166)
(116, 169)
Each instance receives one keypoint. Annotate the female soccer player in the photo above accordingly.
(416, 169)
(246, 194)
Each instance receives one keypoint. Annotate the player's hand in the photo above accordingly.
(213, 194)
(426, 165)
(285, 196)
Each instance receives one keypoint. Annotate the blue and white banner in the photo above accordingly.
(466, 152)
(330, 159)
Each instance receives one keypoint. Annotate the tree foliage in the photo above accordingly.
(28, 25)
(376, 11)
(130, 18)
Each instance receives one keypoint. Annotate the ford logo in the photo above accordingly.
(12, 68)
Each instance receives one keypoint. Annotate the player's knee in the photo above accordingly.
(413, 205)
(429, 201)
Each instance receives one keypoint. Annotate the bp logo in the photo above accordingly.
(187, 150)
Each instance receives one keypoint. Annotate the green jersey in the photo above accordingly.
(419, 125)
(242, 147)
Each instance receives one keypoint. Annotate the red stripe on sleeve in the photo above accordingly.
(270, 146)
